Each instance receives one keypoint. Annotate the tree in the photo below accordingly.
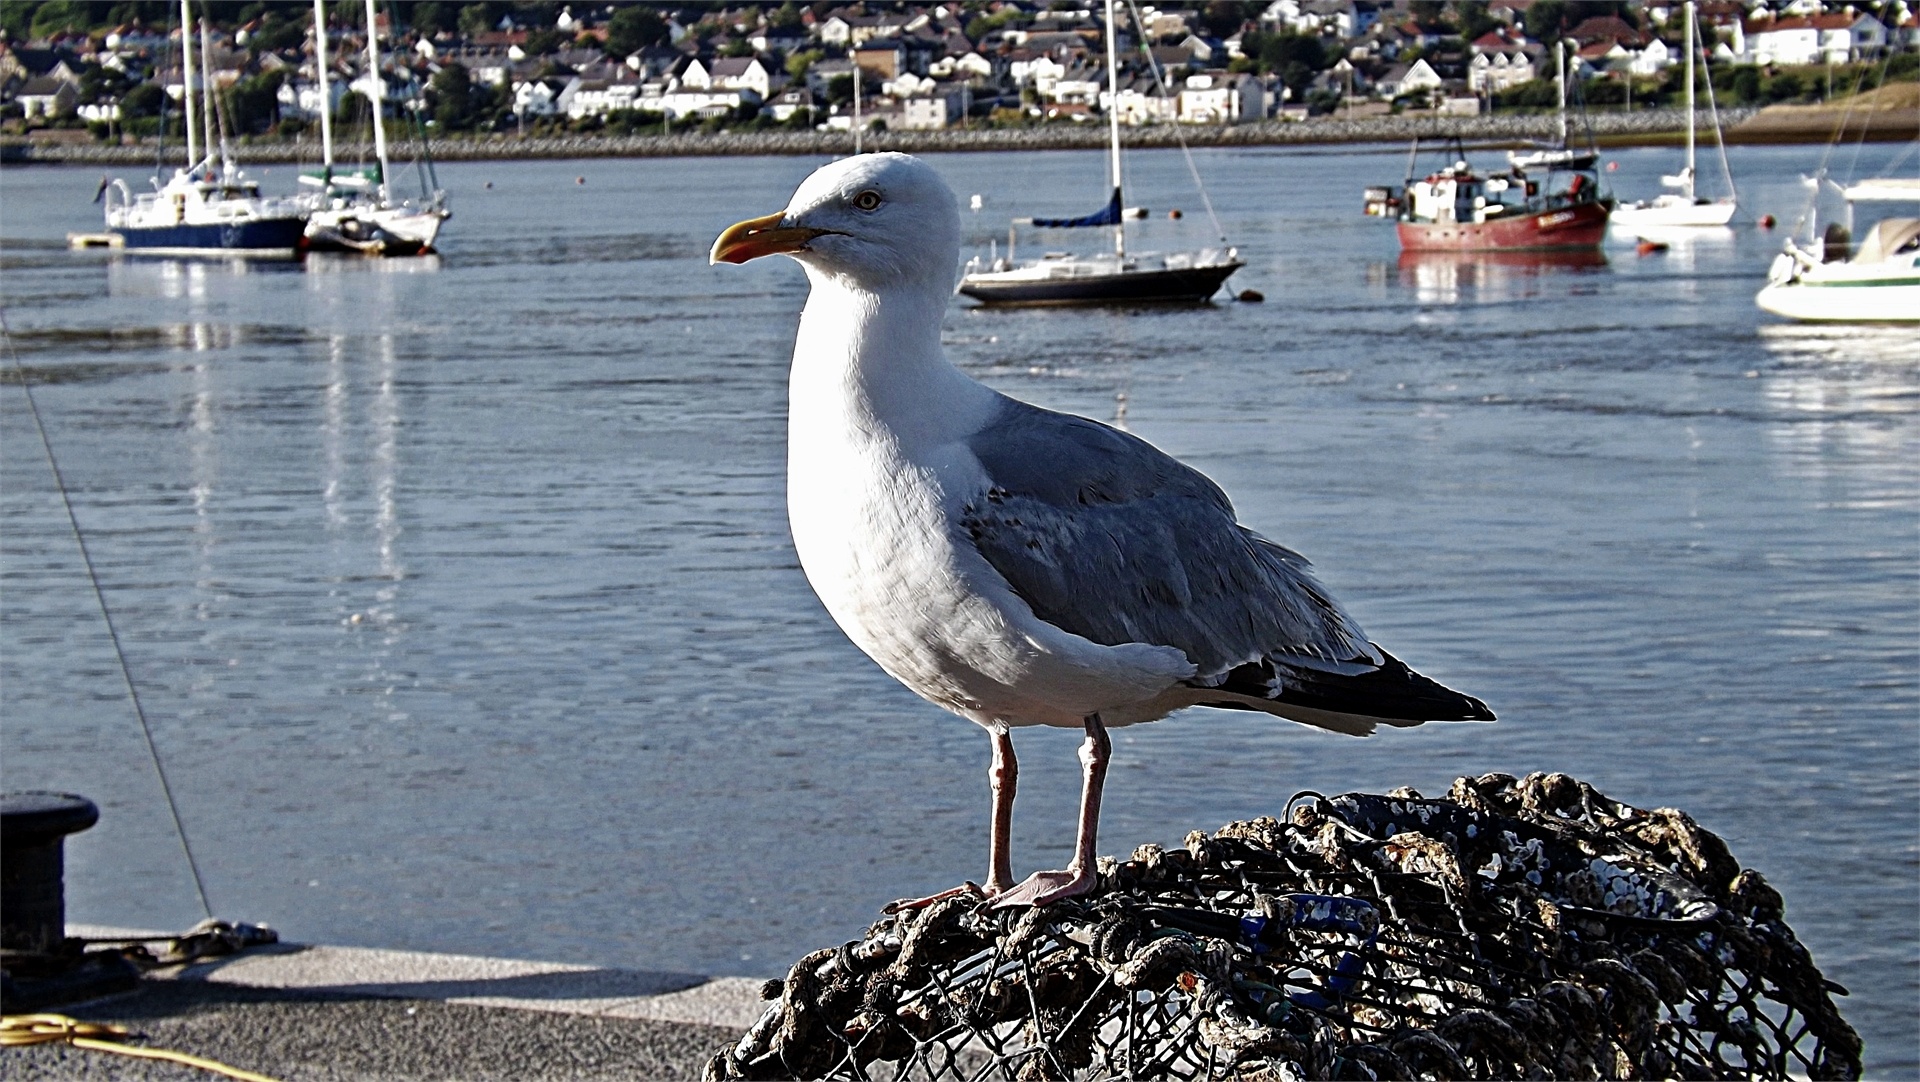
(428, 17)
(353, 105)
(1286, 49)
(253, 105)
(142, 100)
(1427, 12)
(56, 16)
(451, 96)
(543, 42)
(1474, 20)
(278, 31)
(1544, 19)
(1223, 18)
(800, 61)
(633, 28)
(476, 19)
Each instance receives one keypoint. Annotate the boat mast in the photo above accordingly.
(207, 118)
(186, 82)
(1689, 173)
(1113, 132)
(326, 99)
(377, 88)
(1560, 83)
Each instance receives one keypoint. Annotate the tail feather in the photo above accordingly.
(1389, 693)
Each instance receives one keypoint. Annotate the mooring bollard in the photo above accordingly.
(33, 901)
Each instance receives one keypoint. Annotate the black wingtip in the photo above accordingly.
(1391, 693)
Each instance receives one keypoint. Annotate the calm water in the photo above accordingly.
(460, 595)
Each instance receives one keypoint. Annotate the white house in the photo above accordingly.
(1039, 71)
(1140, 103)
(1493, 72)
(598, 97)
(939, 105)
(1216, 97)
(1833, 38)
(1404, 79)
(789, 102)
(47, 96)
(680, 102)
(302, 99)
(538, 97)
(729, 73)
(1340, 18)
(970, 65)
(1079, 85)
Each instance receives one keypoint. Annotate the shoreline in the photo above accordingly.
(1654, 127)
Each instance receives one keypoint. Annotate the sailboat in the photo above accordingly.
(1684, 208)
(206, 207)
(355, 210)
(1548, 199)
(1101, 278)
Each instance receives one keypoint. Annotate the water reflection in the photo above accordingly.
(173, 279)
(1450, 277)
(355, 263)
(1846, 398)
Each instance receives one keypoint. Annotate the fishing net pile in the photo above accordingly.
(1517, 929)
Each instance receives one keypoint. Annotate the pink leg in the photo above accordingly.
(1003, 777)
(1080, 876)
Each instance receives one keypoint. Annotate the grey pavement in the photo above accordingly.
(337, 1014)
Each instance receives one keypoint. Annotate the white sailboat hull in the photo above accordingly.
(376, 230)
(1670, 211)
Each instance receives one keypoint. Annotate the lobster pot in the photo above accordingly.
(1513, 929)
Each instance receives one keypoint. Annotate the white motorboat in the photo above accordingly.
(1102, 278)
(1833, 280)
(1684, 207)
(356, 210)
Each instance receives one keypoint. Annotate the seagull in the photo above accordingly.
(1018, 566)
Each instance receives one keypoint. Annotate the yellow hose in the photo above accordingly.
(20, 1030)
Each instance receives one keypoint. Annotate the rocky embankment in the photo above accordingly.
(1809, 123)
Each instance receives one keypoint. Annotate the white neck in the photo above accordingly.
(885, 375)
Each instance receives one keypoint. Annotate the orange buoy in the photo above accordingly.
(1252, 296)
(1649, 247)
(1766, 221)
(1611, 166)
(1174, 214)
(579, 180)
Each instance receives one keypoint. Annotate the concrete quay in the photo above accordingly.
(347, 1014)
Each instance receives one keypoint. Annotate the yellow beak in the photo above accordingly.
(756, 237)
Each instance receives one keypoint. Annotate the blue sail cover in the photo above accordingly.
(1107, 215)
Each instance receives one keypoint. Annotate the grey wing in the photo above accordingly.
(1105, 536)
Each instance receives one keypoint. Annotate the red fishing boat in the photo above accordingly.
(1546, 200)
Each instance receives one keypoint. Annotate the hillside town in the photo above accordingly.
(113, 70)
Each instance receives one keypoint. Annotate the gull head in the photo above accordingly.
(879, 220)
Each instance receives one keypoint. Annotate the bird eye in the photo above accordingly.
(867, 200)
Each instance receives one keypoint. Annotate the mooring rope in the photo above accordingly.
(106, 614)
(25, 1030)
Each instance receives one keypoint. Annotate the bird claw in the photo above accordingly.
(1045, 888)
(904, 905)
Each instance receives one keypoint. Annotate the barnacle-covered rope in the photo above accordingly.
(1515, 929)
